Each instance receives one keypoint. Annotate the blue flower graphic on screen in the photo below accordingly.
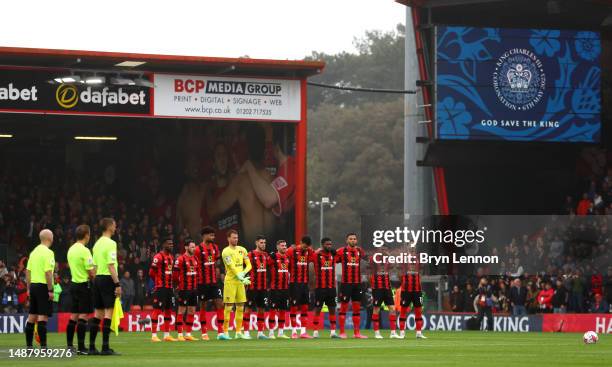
(586, 99)
(588, 45)
(545, 41)
(453, 118)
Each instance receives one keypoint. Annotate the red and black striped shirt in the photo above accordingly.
(411, 279)
(260, 261)
(207, 256)
(350, 258)
(161, 270)
(379, 279)
(279, 272)
(186, 272)
(325, 275)
(298, 264)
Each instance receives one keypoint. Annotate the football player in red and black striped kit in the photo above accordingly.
(350, 257)
(186, 276)
(279, 288)
(381, 293)
(208, 256)
(325, 291)
(163, 296)
(299, 257)
(257, 292)
(411, 295)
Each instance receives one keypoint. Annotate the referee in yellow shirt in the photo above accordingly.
(237, 266)
(82, 270)
(39, 279)
(106, 287)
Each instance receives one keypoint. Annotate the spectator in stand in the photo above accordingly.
(8, 300)
(468, 298)
(577, 285)
(3, 270)
(502, 293)
(569, 207)
(545, 297)
(584, 205)
(127, 290)
(608, 286)
(456, 299)
(532, 294)
(599, 305)
(518, 297)
(22, 294)
(140, 288)
(560, 298)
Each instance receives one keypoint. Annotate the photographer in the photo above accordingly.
(484, 303)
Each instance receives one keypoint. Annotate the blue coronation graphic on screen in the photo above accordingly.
(518, 84)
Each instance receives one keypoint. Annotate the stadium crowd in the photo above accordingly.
(562, 268)
(69, 201)
(565, 267)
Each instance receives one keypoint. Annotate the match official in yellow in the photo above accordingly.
(39, 279)
(237, 266)
(82, 271)
(106, 287)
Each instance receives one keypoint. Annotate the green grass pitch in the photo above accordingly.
(469, 349)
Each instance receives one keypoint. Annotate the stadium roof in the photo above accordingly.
(579, 14)
(107, 61)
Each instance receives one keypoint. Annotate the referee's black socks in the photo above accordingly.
(70, 329)
(42, 333)
(81, 330)
(106, 330)
(29, 332)
(94, 326)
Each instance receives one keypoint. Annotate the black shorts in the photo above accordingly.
(39, 300)
(325, 296)
(104, 292)
(81, 296)
(414, 298)
(380, 296)
(188, 298)
(209, 292)
(299, 294)
(350, 292)
(279, 299)
(163, 299)
(257, 299)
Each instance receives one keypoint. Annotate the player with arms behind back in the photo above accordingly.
(411, 295)
(381, 293)
(208, 254)
(325, 291)
(350, 256)
(279, 288)
(257, 292)
(237, 266)
(299, 257)
(163, 297)
(186, 275)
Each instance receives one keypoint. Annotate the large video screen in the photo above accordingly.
(518, 84)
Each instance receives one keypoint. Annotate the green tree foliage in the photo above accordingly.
(379, 63)
(355, 140)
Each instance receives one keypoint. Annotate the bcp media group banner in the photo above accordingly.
(242, 98)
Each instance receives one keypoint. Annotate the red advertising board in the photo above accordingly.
(599, 323)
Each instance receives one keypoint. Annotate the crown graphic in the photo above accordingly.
(519, 78)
